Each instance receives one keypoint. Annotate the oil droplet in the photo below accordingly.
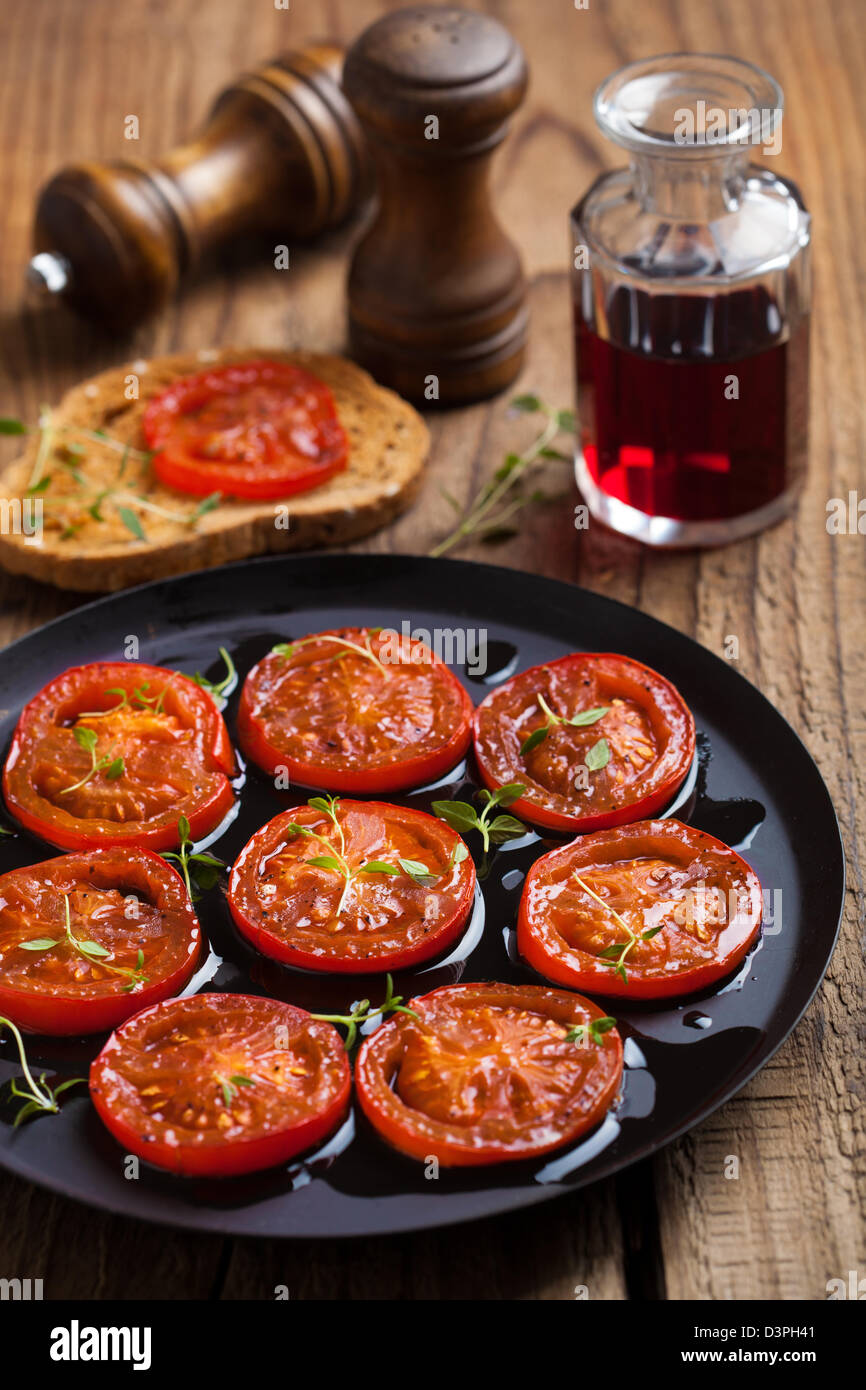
(500, 663)
(632, 1056)
(513, 878)
(509, 936)
(694, 1019)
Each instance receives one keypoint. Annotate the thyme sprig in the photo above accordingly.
(90, 497)
(581, 720)
(90, 951)
(199, 871)
(111, 766)
(593, 1031)
(462, 816)
(337, 862)
(218, 690)
(362, 1011)
(288, 649)
(505, 493)
(41, 1099)
(140, 699)
(614, 957)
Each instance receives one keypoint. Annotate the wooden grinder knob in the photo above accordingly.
(436, 288)
(280, 153)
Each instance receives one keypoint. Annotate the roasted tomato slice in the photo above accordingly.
(596, 739)
(361, 886)
(260, 429)
(647, 911)
(354, 710)
(220, 1084)
(488, 1072)
(87, 940)
(114, 753)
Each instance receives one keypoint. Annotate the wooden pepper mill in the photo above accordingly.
(437, 297)
(280, 152)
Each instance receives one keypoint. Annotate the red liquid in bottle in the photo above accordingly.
(685, 410)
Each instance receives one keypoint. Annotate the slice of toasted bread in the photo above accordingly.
(76, 548)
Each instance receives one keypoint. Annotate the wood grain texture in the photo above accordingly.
(675, 1228)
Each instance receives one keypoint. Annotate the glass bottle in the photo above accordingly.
(691, 308)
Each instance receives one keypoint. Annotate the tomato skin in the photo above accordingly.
(666, 713)
(415, 1133)
(61, 1011)
(541, 941)
(318, 710)
(259, 429)
(405, 833)
(133, 1051)
(43, 745)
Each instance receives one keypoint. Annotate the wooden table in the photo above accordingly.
(675, 1227)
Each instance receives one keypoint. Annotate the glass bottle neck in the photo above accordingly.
(690, 190)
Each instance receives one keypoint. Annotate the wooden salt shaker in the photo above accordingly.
(437, 296)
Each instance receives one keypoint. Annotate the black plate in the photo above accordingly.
(755, 787)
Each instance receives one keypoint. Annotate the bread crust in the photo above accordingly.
(388, 445)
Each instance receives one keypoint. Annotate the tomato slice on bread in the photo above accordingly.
(355, 886)
(114, 753)
(354, 710)
(87, 940)
(261, 429)
(220, 1084)
(647, 911)
(597, 739)
(488, 1073)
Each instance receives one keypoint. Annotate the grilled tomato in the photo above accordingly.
(114, 753)
(648, 911)
(86, 940)
(262, 430)
(221, 1084)
(596, 739)
(486, 1073)
(352, 886)
(354, 710)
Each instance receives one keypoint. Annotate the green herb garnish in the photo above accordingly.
(614, 957)
(591, 1032)
(362, 1011)
(488, 514)
(288, 649)
(598, 756)
(140, 699)
(336, 861)
(462, 815)
(91, 498)
(229, 1086)
(90, 951)
(112, 767)
(41, 1099)
(218, 689)
(578, 721)
(200, 869)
